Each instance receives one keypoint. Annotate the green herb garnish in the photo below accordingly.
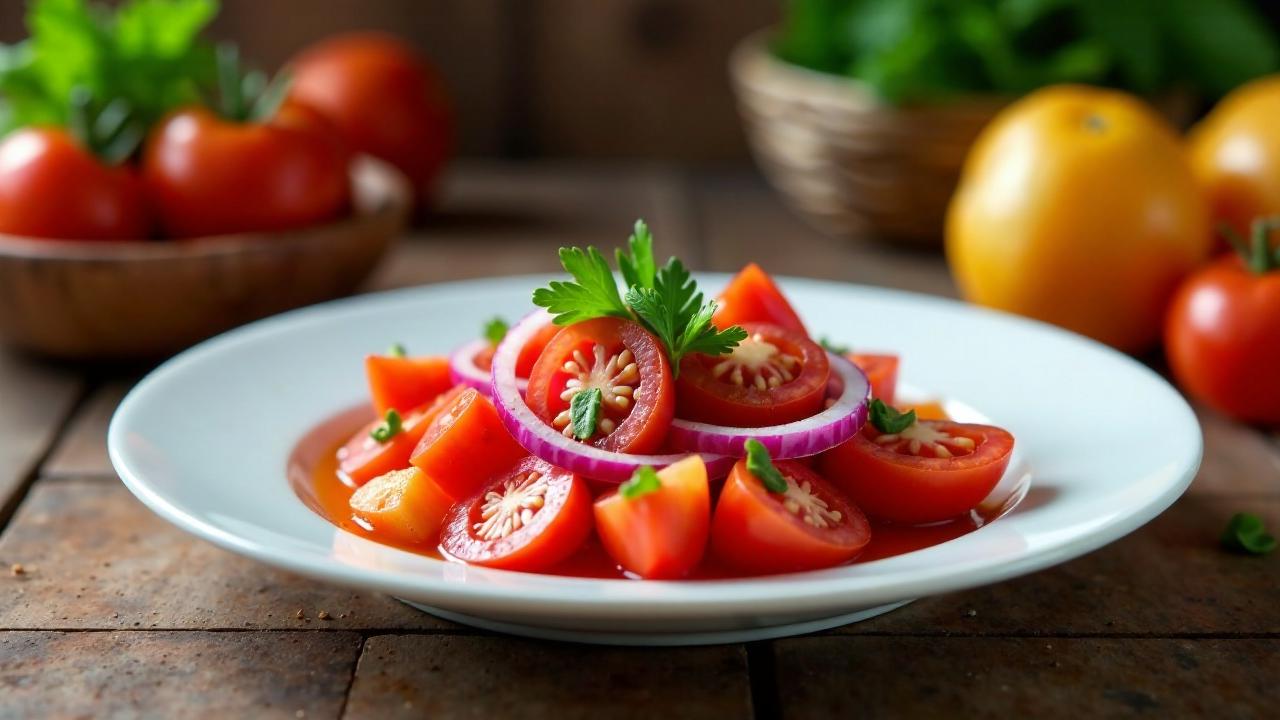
(495, 330)
(832, 347)
(888, 420)
(593, 294)
(638, 268)
(584, 412)
(388, 428)
(643, 481)
(397, 350)
(1245, 533)
(761, 465)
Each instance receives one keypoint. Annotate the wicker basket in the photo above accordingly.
(847, 162)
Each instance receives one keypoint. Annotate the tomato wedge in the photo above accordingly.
(465, 445)
(775, 376)
(403, 506)
(662, 533)
(363, 458)
(810, 526)
(881, 371)
(405, 383)
(753, 296)
(528, 354)
(627, 365)
(934, 470)
(529, 517)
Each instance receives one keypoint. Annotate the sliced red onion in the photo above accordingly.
(464, 371)
(548, 443)
(810, 436)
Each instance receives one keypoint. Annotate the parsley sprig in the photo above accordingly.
(643, 481)
(495, 330)
(890, 420)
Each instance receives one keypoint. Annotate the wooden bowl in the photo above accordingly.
(138, 299)
(845, 161)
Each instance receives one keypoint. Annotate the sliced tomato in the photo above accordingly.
(529, 517)
(662, 533)
(466, 445)
(752, 296)
(405, 383)
(402, 506)
(881, 372)
(627, 365)
(363, 458)
(810, 526)
(934, 470)
(775, 376)
(528, 354)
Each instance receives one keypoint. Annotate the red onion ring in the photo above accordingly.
(546, 442)
(464, 371)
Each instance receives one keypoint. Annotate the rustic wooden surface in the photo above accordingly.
(116, 613)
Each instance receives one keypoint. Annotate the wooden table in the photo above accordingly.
(117, 613)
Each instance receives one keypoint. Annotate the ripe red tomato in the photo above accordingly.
(363, 458)
(384, 97)
(1222, 336)
(51, 187)
(405, 382)
(529, 518)
(753, 296)
(881, 372)
(627, 365)
(662, 533)
(208, 176)
(934, 470)
(810, 526)
(775, 376)
(466, 445)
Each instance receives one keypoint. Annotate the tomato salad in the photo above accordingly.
(664, 435)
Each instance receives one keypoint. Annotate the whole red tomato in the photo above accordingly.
(1222, 335)
(387, 101)
(209, 176)
(52, 187)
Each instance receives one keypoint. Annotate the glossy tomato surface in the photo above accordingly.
(466, 445)
(661, 534)
(209, 176)
(530, 517)
(402, 506)
(363, 458)
(628, 366)
(933, 471)
(51, 187)
(1235, 152)
(810, 526)
(405, 382)
(775, 376)
(753, 297)
(881, 371)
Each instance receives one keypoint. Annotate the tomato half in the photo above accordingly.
(466, 445)
(881, 372)
(752, 296)
(810, 526)
(363, 458)
(530, 517)
(775, 376)
(934, 470)
(663, 533)
(405, 382)
(403, 506)
(627, 365)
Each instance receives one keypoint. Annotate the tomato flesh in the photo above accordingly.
(363, 458)
(936, 470)
(465, 445)
(810, 526)
(404, 506)
(752, 296)
(529, 517)
(661, 534)
(881, 371)
(405, 383)
(528, 354)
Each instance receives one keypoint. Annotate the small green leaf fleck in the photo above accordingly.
(643, 481)
(761, 465)
(889, 420)
(584, 412)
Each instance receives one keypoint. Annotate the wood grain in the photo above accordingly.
(33, 402)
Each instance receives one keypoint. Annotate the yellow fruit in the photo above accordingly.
(1235, 154)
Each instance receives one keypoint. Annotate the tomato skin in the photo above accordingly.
(753, 297)
(917, 490)
(207, 176)
(405, 382)
(403, 506)
(662, 534)
(465, 445)
(528, 354)
(362, 458)
(1077, 206)
(1222, 338)
(555, 532)
(882, 373)
(386, 100)
(703, 397)
(753, 532)
(50, 187)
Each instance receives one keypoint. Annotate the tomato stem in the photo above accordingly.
(1259, 256)
(112, 133)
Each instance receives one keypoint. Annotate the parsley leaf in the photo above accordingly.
(593, 295)
(1246, 534)
(584, 412)
(888, 420)
(673, 309)
(638, 268)
(643, 481)
(832, 347)
(389, 428)
(397, 350)
(761, 465)
(495, 330)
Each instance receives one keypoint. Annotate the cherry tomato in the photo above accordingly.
(663, 533)
(752, 297)
(1222, 337)
(529, 518)
(466, 445)
(403, 506)
(881, 372)
(775, 376)
(934, 470)
(363, 458)
(627, 365)
(810, 526)
(405, 382)
(384, 97)
(528, 354)
(51, 187)
(208, 176)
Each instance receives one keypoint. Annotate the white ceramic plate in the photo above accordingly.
(1106, 443)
